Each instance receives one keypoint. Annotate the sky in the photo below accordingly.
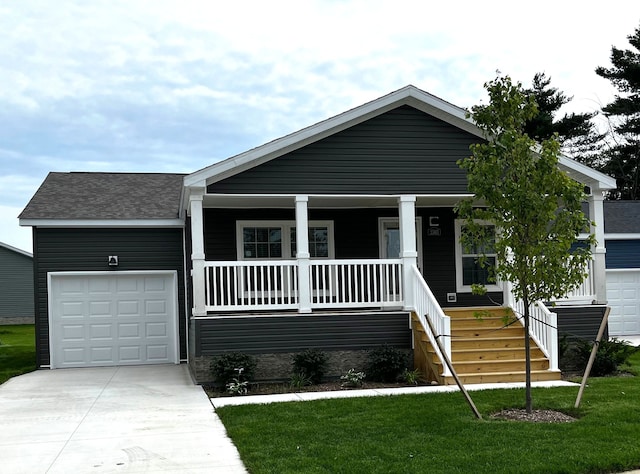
(174, 86)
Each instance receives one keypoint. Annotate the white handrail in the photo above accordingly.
(543, 326)
(426, 306)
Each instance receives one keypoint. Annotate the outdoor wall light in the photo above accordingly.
(113, 260)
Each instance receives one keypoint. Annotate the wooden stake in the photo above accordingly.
(453, 372)
(592, 356)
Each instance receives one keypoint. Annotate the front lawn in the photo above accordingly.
(438, 433)
(17, 351)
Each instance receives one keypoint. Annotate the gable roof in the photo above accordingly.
(16, 250)
(408, 95)
(80, 196)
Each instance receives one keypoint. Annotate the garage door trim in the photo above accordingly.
(173, 323)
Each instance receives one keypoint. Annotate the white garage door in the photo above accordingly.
(623, 294)
(106, 319)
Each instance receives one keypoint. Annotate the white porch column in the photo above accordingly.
(596, 215)
(302, 254)
(197, 252)
(408, 252)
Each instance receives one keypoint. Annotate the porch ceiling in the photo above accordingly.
(245, 201)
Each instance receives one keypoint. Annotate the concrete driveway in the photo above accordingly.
(111, 419)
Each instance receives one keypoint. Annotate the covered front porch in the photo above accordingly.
(413, 269)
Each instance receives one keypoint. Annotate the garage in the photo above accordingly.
(623, 295)
(112, 318)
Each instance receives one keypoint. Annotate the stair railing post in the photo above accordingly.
(552, 331)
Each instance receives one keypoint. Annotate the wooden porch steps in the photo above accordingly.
(485, 349)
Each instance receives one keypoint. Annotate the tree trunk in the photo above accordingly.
(527, 355)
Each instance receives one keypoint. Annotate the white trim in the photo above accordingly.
(174, 321)
(621, 236)
(17, 250)
(395, 220)
(460, 288)
(615, 270)
(285, 226)
(104, 223)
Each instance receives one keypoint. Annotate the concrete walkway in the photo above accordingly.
(111, 419)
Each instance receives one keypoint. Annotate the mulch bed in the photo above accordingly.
(536, 416)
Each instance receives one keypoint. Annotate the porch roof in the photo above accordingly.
(287, 201)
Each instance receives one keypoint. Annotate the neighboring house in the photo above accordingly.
(16, 285)
(341, 236)
(622, 237)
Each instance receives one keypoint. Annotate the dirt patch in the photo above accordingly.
(276, 388)
(536, 416)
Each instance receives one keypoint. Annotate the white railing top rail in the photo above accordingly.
(427, 306)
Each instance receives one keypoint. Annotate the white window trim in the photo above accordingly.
(285, 227)
(460, 288)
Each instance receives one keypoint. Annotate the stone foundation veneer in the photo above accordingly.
(278, 367)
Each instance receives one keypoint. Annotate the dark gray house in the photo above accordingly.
(16, 285)
(341, 236)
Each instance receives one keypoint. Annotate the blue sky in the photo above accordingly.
(174, 86)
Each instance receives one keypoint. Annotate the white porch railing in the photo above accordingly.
(275, 284)
(251, 285)
(356, 283)
(543, 326)
(426, 306)
(585, 293)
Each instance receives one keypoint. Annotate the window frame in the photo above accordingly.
(459, 255)
(285, 231)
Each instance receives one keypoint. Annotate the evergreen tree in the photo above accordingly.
(577, 134)
(623, 158)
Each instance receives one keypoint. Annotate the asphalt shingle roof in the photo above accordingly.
(106, 196)
(622, 217)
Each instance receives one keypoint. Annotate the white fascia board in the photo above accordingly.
(409, 95)
(587, 175)
(16, 250)
(621, 236)
(90, 223)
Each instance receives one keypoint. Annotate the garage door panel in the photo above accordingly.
(623, 295)
(115, 319)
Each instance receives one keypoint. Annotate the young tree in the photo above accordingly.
(534, 207)
(623, 159)
(578, 134)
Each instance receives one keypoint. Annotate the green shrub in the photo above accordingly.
(611, 354)
(225, 367)
(299, 380)
(386, 364)
(352, 379)
(311, 363)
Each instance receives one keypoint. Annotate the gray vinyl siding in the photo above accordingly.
(356, 236)
(579, 323)
(57, 250)
(403, 151)
(16, 284)
(623, 254)
(294, 333)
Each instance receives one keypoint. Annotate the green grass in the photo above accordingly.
(17, 351)
(437, 433)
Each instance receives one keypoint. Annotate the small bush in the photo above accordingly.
(238, 386)
(386, 364)
(611, 354)
(311, 363)
(225, 367)
(352, 379)
(299, 380)
(411, 377)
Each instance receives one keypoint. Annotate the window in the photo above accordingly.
(468, 269)
(277, 239)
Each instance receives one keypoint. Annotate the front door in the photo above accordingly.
(389, 238)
